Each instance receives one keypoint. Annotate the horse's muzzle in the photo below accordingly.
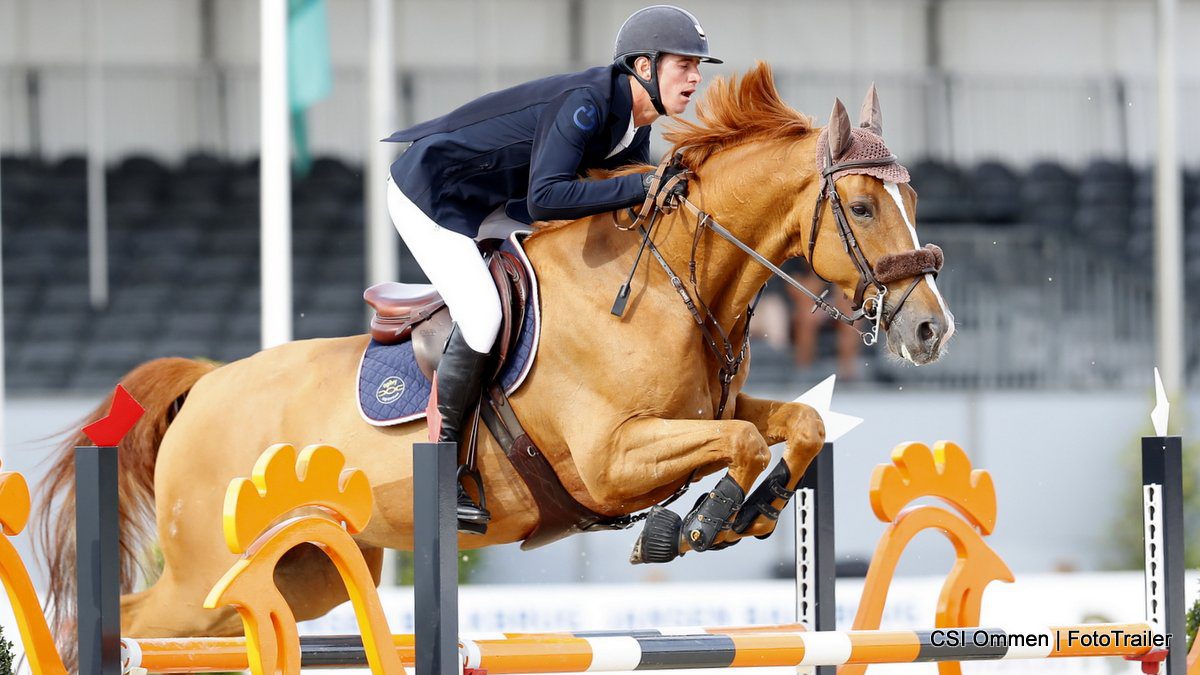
(918, 339)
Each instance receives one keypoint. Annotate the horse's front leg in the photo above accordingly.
(804, 431)
(650, 453)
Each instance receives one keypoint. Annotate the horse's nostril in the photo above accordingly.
(927, 331)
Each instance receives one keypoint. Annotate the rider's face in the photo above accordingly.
(678, 77)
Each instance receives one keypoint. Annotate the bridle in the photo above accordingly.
(915, 264)
(659, 201)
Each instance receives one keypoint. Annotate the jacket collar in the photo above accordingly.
(621, 109)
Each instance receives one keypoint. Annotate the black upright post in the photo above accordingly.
(1162, 481)
(98, 560)
(435, 558)
(815, 503)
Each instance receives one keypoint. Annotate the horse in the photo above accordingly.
(627, 409)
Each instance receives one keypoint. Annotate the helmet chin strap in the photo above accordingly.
(650, 85)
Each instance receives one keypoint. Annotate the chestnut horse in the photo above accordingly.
(623, 408)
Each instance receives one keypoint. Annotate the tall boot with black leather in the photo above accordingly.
(459, 384)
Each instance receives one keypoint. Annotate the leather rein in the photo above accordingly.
(659, 201)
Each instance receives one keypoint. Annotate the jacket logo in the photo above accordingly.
(585, 117)
(389, 390)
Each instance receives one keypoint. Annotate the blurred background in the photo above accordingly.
(1029, 127)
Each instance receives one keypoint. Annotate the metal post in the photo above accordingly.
(435, 558)
(487, 18)
(576, 36)
(816, 577)
(1162, 486)
(275, 176)
(97, 216)
(937, 105)
(382, 253)
(98, 560)
(1168, 217)
(3, 373)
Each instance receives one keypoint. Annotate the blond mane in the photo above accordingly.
(733, 112)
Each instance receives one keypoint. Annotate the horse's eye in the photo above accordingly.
(860, 210)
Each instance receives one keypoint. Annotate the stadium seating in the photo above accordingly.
(184, 241)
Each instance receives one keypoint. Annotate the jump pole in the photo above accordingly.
(221, 654)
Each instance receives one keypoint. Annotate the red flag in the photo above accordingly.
(124, 413)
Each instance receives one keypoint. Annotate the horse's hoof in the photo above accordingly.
(659, 540)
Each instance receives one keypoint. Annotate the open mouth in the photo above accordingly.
(687, 95)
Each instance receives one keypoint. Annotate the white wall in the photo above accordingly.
(1028, 78)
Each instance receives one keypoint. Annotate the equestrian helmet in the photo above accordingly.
(657, 30)
(661, 29)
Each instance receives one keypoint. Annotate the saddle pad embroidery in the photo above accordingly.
(393, 390)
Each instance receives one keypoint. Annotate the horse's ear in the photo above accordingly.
(839, 130)
(869, 117)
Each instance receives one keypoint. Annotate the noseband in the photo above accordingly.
(909, 264)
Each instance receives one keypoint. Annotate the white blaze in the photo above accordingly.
(894, 191)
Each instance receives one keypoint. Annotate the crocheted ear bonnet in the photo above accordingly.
(863, 145)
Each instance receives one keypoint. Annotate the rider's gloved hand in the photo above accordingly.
(678, 192)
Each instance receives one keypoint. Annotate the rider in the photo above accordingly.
(521, 154)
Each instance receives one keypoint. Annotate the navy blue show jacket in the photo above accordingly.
(525, 148)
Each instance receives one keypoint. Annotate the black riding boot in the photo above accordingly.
(459, 383)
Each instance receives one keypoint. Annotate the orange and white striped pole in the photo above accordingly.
(667, 649)
(800, 648)
(221, 654)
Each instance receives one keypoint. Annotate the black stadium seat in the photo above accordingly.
(1105, 228)
(204, 163)
(1048, 193)
(945, 196)
(1107, 171)
(1141, 236)
(996, 191)
(1106, 183)
(69, 180)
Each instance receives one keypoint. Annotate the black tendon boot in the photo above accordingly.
(712, 514)
(459, 384)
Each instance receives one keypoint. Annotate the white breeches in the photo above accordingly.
(454, 266)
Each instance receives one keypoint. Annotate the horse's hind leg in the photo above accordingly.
(311, 584)
(174, 607)
(652, 452)
(305, 576)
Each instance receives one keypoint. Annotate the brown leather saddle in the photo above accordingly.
(418, 312)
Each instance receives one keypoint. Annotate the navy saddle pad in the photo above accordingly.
(393, 390)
